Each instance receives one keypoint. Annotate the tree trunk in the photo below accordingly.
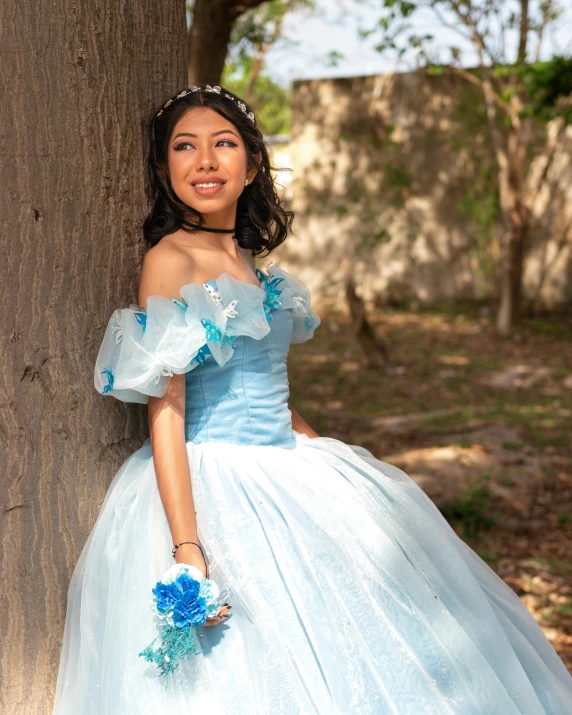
(515, 243)
(79, 81)
(511, 278)
(208, 40)
(373, 347)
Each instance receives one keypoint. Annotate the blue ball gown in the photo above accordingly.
(351, 593)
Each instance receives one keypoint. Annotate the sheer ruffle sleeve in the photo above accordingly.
(293, 295)
(142, 349)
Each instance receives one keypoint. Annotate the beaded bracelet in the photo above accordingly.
(176, 546)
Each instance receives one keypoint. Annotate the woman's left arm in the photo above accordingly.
(300, 425)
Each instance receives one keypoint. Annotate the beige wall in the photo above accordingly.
(402, 164)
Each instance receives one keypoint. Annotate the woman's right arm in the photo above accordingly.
(162, 275)
(167, 432)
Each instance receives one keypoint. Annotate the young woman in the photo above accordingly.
(350, 591)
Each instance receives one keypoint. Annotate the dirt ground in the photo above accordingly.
(481, 423)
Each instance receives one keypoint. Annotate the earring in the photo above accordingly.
(246, 183)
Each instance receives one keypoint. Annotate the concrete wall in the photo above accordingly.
(394, 177)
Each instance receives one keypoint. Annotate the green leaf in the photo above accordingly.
(435, 70)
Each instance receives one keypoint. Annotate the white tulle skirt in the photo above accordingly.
(351, 594)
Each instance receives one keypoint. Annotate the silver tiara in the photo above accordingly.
(207, 88)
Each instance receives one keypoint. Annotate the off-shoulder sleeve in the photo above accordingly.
(293, 295)
(142, 349)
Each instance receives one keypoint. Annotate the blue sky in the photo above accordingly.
(309, 40)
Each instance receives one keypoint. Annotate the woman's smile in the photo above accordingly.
(208, 185)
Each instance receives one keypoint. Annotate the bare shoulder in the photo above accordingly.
(165, 269)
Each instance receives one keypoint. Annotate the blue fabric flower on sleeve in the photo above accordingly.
(270, 287)
(107, 388)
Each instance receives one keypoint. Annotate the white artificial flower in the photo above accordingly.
(118, 328)
(165, 372)
(230, 311)
(298, 301)
(213, 291)
(174, 571)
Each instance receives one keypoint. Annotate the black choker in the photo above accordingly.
(198, 227)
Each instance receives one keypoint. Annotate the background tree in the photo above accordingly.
(272, 102)
(516, 87)
(251, 26)
(79, 80)
(245, 71)
(209, 35)
(254, 34)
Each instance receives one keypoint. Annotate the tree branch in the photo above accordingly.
(523, 32)
(240, 6)
(469, 21)
(483, 85)
(438, 14)
(547, 9)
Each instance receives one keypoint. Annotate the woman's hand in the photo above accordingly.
(191, 555)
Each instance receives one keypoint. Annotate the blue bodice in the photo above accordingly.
(246, 400)
(231, 338)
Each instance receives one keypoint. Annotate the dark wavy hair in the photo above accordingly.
(262, 222)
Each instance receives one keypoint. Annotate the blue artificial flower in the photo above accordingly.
(187, 584)
(214, 333)
(141, 318)
(184, 599)
(229, 340)
(190, 609)
(110, 379)
(166, 594)
(182, 596)
(201, 355)
(271, 301)
(182, 305)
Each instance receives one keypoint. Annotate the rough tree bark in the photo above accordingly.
(78, 81)
(209, 36)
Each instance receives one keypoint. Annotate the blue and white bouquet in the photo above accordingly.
(182, 601)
